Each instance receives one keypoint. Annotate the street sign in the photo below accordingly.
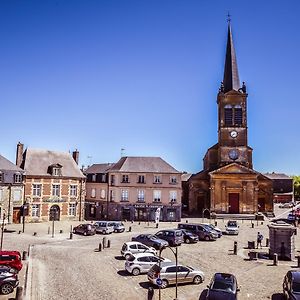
(158, 281)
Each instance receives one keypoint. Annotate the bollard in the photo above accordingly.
(34, 234)
(156, 225)
(252, 225)
(267, 242)
(139, 223)
(216, 223)
(61, 231)
(235, 248)
(261, 223)
(49, 230)
(19, 293)
(275, 259)
(100, 247)
(150, 293)
(20, 231)
(129, 229)
(71, 235)
(108, 244)
(103, 242)
(186, 221)
(24, 255)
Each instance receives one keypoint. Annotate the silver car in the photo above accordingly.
(142, 263)
(130, 248)
(167, 274)
(104, 227)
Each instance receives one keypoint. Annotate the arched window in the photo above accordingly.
(228, 114)
(238, 115)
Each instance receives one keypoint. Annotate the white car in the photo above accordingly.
(232, 228)
(130, 248)
(142, 263)
(286, 205)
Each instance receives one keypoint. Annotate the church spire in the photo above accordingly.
(231, 79)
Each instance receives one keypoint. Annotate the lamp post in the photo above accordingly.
(24, 207)
(176, 263)
(2, 231)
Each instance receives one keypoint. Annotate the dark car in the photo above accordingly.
(291, 285)
(11, 259)
(189, 237)
(203, 232)
(8, 281)
(223, 286)
(151, 240)
(173, 236)
(85, 229)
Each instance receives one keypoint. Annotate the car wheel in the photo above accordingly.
(164, 283)
(103, 232)
(115, 230)
(84, 233)
(136, 272)
(207, 238)
(197, 279)
(74, 231)
(187, 241)
(6, 289)
(127, 256)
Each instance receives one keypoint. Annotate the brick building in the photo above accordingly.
(133, 189)
(54, 184)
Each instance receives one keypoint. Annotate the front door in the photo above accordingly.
(16, 215)
(261, 204)
(234, 203)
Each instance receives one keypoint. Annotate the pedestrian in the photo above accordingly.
(259, 239)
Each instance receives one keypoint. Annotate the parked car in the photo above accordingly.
(167, 273)
(7, 269)
(286, 205)
(189, 237)
(104, 227)
(204, 233)
(142, 262)
(130, 248)
(11, 259)
(85, 229)
(8, 281)
(232, 227)
(223, 286)
(118, 226)
(291, 285)
(213, 227)
(173, 236)
(151, 240)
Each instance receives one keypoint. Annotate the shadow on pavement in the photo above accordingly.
(119, 257)
(203, 295)
(124, 273)
(146, 285)
(277, 296)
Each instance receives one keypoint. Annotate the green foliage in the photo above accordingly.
(296, 181)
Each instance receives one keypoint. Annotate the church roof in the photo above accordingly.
(231, 79)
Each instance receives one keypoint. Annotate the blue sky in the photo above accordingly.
(144, 75)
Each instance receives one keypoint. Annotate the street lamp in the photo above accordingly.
(2, 231)
(176, 263)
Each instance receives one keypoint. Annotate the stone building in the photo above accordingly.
(11, 191)
(54, 184)
(228, 183)
(133, 189)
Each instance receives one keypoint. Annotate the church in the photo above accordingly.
(228, 184)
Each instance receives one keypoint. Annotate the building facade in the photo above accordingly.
(54, 185)
(133, 189)
(228, 183)
(11, 191)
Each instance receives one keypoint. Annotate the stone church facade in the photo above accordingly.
(228, 183)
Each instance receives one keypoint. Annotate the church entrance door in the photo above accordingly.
(234, 203)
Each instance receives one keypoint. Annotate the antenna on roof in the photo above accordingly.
(90, 159)
(122, 152)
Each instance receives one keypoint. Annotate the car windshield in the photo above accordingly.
(222, 285)
(231, 224)
(296, 287)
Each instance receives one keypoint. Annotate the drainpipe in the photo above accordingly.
(80, 197)
(9, 203)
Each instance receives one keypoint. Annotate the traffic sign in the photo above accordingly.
(158, 281)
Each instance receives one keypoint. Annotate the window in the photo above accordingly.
(173, 196)
(125, 179)
(157, 196)
(36, 190)
(17, 195)
(72, 209)
(94, 177)
(18, 178)
(141, 179)
(56, 171)
(112, 179)
(102, 194)
(1, 177)
(124, 195)
(228, 114)
(141, 195)
(56, 190)
(157, 179)
(73, 190)
(35, 210)
(173, 179)
(93, 193)
(238, 115)
(103, 178)
(112, 196)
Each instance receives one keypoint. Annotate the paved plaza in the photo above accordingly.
(60, 268)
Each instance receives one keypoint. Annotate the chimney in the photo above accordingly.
(76, 156)
(19, 154)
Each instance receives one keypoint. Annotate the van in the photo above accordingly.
(203, 232)
(104, 227)
(118, 226)
(173, 236)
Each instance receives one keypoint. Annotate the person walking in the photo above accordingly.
(259, 240)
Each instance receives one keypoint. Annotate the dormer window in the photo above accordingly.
(55, 170)
(18, 178)
(173, 180)
(157, 179)
(125, 179)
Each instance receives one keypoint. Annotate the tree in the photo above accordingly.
(296, 182)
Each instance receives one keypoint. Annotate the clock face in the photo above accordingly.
(233, 134)
(233, 154)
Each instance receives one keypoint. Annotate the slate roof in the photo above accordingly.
(36, 163)
(274, 175)
(98, 168)
(143, 165)
(7, 165)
